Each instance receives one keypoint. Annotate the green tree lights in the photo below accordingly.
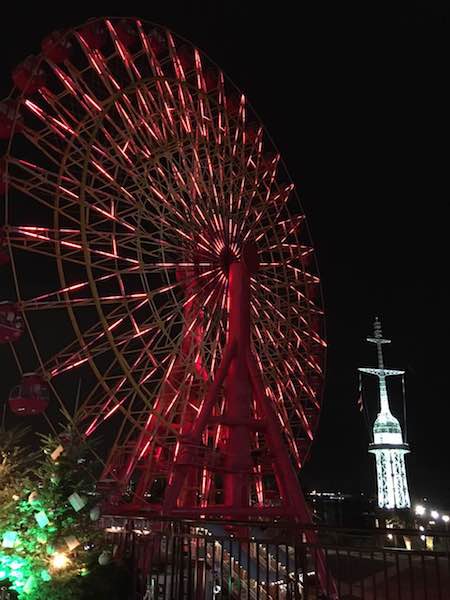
(48, 538)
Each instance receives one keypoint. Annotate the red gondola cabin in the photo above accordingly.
(28, 77)
(8, 110)
(56, 47)
(30, 397)
(11, 323)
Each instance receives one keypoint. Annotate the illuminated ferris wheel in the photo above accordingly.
(139, 178)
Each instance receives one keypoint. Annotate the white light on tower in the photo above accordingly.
(420, 510)
(434, 514)
(388, 445)
(445, 518)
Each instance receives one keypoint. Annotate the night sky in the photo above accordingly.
(356, 102)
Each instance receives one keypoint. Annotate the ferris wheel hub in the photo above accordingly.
(227, 256)
(248, 255)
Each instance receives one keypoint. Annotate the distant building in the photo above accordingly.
(388, 445)
(337, 509)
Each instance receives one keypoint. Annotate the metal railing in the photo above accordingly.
(213, 560)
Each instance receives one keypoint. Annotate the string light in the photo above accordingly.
(59, 561)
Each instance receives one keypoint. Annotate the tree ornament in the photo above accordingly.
(57, 452)
(71, 542)
(104, 558)
(77, 502)
(33, 497)
(45, 575)
(41, 519)
(94, 513)
(10, 539)
(29, 584)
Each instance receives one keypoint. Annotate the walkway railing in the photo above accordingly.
(210, 560)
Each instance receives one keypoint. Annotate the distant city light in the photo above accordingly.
(422, 537)
(421, 528)
(390, 536)
(420, 510)
(435, 514)
(445, 518)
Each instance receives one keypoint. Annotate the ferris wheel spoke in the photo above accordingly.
(93, 337)
(58, 126)
(102, 246)
(77, 83)
(79, 148)
(293, 251)
(288, 395)
(305, 341)
(263, 192)
(118, 400)
(187, 105)
(146, 107)
(68, 246)
(169, 204)
(149, 52)
(102, 406)
(62, 194)
(267, 216)
(123, 52)
(281, 405)
(81, 98)
(132, 127)
(217, 324)
(147, 325)
(41, 185)
(59, 294)
(67, 361)
(198, 187)
(271, 282)
(98, 64)
(287, 423)
(273, 339)
(143, 374)
(37, 304)
(205, 118)
(92, 405)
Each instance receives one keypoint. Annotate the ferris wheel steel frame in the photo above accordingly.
(156, 172)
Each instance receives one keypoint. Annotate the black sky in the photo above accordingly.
(356, 101)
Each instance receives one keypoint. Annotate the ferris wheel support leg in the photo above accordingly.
(287, 479)
(180, 471)
(238, 393)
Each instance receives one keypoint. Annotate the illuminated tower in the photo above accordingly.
(388, 445)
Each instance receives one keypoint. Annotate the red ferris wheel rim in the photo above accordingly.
(294, 377)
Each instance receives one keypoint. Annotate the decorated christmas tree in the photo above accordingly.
(49, 538)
